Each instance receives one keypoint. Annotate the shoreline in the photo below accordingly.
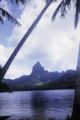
(34, 90)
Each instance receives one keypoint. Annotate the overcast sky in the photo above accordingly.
(54, 44)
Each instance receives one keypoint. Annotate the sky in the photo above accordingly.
(54, 44)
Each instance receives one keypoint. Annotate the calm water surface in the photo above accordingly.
(39, 105)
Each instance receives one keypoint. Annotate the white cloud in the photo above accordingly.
(4, 54)
(4, 5)
(55, 45)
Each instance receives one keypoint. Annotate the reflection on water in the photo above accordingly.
(37, 105)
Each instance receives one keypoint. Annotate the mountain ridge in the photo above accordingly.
(40, 77)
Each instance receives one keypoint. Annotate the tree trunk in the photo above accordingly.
(76, 104)
(8, 63)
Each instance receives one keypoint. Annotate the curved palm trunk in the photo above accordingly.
(76, 104)
(8, 63)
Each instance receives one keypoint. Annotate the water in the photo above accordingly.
(37, 105)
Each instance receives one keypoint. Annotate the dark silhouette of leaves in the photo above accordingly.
(77, 13)
(1, 20)
(57, 10)
(5, 14)
(22, 1)
(64, 6)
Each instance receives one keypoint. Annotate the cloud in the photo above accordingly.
(4, 5)
(55, 44)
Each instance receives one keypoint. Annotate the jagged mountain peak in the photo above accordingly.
(37, 68)
(37, 63)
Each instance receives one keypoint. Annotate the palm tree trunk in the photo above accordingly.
(76, 104)
(8, 63)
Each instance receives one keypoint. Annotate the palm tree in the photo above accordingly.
(6, 66)
(64, 4)
(62, 7)
(76, 104)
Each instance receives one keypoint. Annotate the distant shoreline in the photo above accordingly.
(35, 90)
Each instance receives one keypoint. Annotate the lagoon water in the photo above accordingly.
(37, 105)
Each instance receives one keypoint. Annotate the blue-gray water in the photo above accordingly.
(39, 105)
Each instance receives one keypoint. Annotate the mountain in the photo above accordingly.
(39, 73)
(40, 77)
(67, 81)
(38, 69)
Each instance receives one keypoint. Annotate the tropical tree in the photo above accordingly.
(76, 104)
(63, 7)
(8, 63)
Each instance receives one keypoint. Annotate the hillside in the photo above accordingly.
(43, 79)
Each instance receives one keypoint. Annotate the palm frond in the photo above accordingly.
(68, 3)
(20, 1)
(1, 20)
(62, 7)
(77, 13)
(7, 15)
(57, 10)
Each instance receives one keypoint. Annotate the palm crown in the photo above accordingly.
(64, 6)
